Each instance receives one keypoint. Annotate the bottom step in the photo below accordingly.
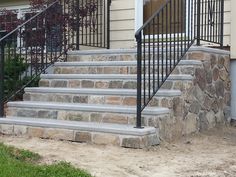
(87, 132)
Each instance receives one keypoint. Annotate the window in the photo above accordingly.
(7, 20)
(35, 33)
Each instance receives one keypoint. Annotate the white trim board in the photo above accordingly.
(15, 7)
(20, 9)
(138, 14)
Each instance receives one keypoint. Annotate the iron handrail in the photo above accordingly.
(150, 19)
(176, 32)
(28, 21)
(29, 50)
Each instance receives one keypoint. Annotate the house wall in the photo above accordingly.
(122, 23)
(233, 88)
(233, 60)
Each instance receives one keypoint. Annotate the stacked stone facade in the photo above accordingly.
(205, 101)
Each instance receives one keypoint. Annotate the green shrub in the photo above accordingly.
(15, 78)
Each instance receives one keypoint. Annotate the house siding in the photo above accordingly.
(122, 23)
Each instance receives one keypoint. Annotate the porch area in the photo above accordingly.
(166, 87)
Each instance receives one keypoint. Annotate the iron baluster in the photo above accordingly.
(2, 45)
(44, 38)
(190, 26)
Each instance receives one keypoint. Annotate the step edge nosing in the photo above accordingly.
(89, 108)
(136, 132)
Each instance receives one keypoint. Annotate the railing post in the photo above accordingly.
(77, 26)
(198, 21)
(108, 23)
(222, 25)
(2, 79)
(139, 81)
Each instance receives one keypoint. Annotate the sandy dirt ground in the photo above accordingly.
(208, 154)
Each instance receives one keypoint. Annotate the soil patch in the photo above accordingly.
(207, 154)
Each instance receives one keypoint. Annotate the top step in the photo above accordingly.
(103, 52)
(125, 51)
(117, 54)
(130, 54)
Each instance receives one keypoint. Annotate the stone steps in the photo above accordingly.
(94, 96)
(119, 63)
(116, 92)
(117, 67)
(109, 76)
(86, 132)
(100, 80)
(83, 112)
(115, 54)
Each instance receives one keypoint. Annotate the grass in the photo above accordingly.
(22, 163)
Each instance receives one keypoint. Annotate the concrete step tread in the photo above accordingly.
(117, 63)
(102, 51)
(121, 92)
(87, 107)
(81, 126)
(134, 50)
(110, 76)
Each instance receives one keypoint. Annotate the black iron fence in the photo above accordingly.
(166, 37)
(45, 37)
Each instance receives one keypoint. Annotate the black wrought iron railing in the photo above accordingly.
(45, 38)
(166, 37)
(89, 22)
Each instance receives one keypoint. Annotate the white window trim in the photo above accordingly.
(20, 9)
(138, 14)
(15, 7)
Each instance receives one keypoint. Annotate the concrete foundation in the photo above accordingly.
(233, 88)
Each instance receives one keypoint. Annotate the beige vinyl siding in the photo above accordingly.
(122, 23)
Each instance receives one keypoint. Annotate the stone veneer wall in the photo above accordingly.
(205, 103)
